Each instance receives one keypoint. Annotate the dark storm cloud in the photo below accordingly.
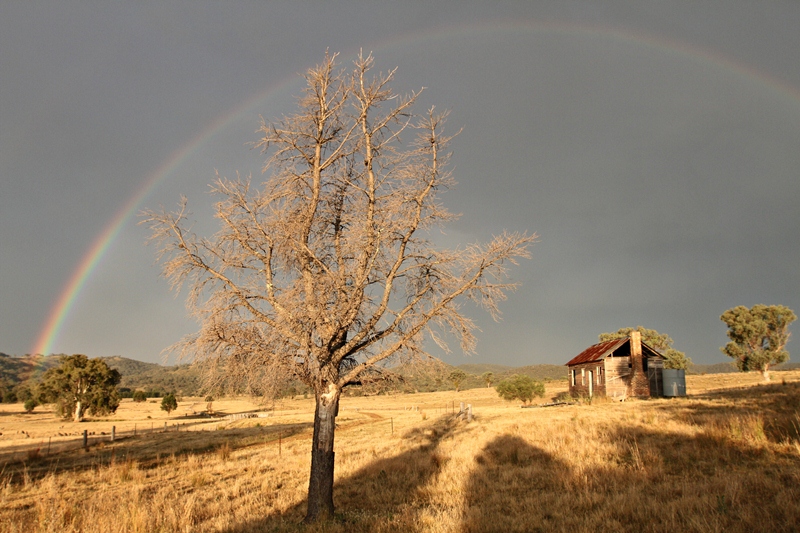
(652, 146)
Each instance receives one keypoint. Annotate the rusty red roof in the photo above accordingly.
(597, 351)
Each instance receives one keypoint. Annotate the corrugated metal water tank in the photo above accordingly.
(674, 382)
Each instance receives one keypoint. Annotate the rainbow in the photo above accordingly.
(77, 281)
(72, 289)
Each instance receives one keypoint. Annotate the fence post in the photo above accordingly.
(85, 438)
(469, 412)
(165, 426)
(48, 444)
(113, 433)
(134, 430)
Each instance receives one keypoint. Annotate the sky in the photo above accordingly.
(654, 147)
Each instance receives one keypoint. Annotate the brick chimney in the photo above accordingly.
(639, 384)
(636, 346)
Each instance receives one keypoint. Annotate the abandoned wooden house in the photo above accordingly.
(619, 368)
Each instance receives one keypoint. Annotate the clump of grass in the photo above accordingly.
(224, 451)
(34, 454)
(748, 428)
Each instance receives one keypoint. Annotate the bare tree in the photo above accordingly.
(324, 272)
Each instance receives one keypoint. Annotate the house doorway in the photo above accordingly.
(591, 382)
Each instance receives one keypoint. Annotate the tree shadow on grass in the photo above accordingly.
(515, 487)
(771, 411)
(646, 480)
(385, 495)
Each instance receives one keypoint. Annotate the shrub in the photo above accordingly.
(520, 387)
(563, 396)
(30, 405)
(139, 396)
(169, 403)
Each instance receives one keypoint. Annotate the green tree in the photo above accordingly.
(488, 378)
(79, 385)
(660, 342)
(520, 387)
(169, 403)
(30, 405)
(25, 391)
(457, 377)
(325, 271)
(651, 337)
(758, 336)
(139, 396)
(676, 360)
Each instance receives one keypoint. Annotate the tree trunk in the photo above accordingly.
(765, 373)
(78, 416)
(320, 483)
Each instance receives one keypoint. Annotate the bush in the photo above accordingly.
(520, 387)
(139, 396)
(563, 396)
(169, 403)
(30, 405)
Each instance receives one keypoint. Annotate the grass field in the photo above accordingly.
(726, 458)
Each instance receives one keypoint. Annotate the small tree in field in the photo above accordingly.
(139, 396)
(520, 387)
(169, 403)
(488, 378)
(324, 272)
(457, 377)
(81, 384)
(758, 336)
(30, 404)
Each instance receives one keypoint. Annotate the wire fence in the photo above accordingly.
(45, 447)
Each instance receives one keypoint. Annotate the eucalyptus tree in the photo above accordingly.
(80, 384)
(758, 336)
(325, 272)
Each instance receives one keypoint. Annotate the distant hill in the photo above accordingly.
(14, 370)
(538, 372)
(181, 379)
(718, 368)
(137, 375)
(479, 369)
(726, 368)
(186, 380)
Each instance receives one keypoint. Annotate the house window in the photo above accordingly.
(583, 374)
(599, 372)
(573, 377)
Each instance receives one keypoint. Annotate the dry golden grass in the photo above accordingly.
(726, 458)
